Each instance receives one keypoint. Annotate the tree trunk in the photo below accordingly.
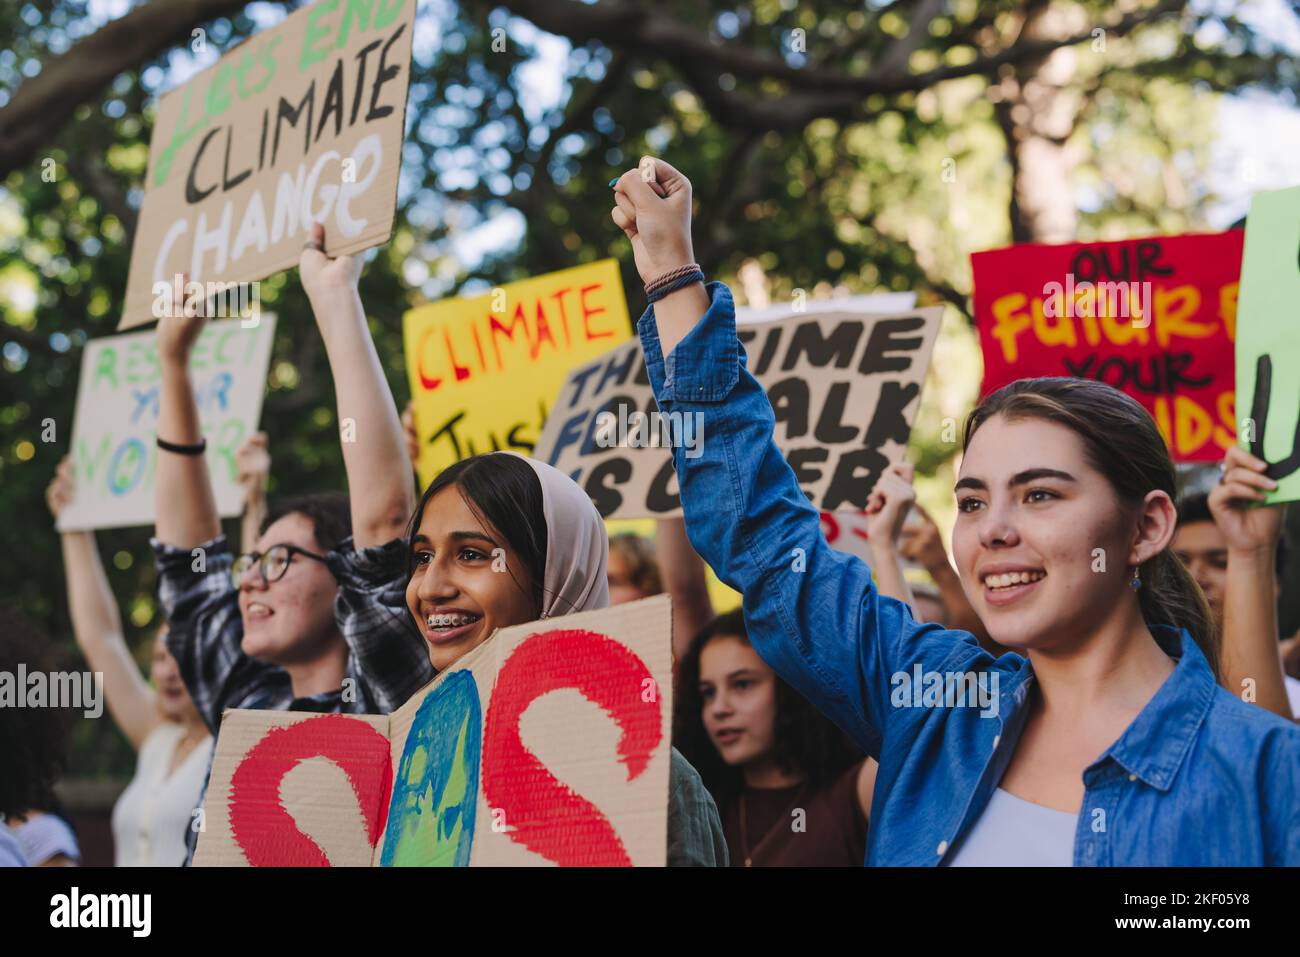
(1037, 107)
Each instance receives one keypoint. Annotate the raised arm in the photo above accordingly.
(887, 508)
(654, 211)
(813, 613)
(1250, 634)
(380, 485)
(185, 510)
(412, 436)
(685, 578)
(97, 625)
(253, 466)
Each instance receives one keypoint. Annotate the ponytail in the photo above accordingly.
(1170, 596)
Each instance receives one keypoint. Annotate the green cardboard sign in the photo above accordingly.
(1268, 339)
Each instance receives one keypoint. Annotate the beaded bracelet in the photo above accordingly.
(691, 277)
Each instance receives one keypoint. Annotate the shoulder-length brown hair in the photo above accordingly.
(1122, 442)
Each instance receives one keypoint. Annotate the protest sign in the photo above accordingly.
(845, 385)
(1268, 339)
(302, 123)
(115, 423)
(1154, 317)
(484, 371)
(547, 744)
(878, 303)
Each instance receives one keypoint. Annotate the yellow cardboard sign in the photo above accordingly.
(484, 372)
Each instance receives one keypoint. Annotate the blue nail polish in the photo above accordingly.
(613, 182)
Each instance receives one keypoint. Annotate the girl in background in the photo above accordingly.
(791, 789)
(153, 815)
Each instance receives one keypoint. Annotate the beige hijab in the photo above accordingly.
(577, 548)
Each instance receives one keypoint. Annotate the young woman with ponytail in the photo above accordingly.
(1103, 737)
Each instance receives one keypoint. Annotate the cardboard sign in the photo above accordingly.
(302, 123)
(115, 424)
(484, 371)
(1268, 342)
(1154, 317)
(845, 385)
(547, 744)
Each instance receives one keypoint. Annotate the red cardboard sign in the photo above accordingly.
(1155, 317)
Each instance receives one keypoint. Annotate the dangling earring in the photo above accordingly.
(1136, 583)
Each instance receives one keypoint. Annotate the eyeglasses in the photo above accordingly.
(271, 564)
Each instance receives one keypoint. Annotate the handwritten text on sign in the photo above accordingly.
(845, 387)
(549, 743)
(484, 371)
(1268, 348)
(301, 123)
(116, 421)
(1154, 317)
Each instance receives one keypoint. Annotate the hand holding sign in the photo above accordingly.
(60, 490)
(323, 278)
(253, 467)
(657, 223)
(889, 503)
(1246, 529)
(178, 332)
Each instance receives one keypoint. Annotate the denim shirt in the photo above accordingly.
(1198, 778)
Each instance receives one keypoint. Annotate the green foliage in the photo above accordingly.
(856, 203)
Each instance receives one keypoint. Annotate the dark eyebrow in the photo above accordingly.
(1020, 478)
(739, 672)
(480, 536)
(1033, 475)
(422, 539)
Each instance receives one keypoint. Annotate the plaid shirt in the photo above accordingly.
(389, 652)
(205, 634)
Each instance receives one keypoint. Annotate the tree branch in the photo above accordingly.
(642, 30)
(42, 105)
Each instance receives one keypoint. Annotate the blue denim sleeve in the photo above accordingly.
(1279, 774)
(812, 612)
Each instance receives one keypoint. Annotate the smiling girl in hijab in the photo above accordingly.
(496, 540)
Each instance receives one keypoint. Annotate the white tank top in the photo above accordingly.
(151, 817)
(1013, 832)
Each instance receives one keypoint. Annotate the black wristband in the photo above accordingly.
(197, 449)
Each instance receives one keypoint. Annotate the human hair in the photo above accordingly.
(505, 493)
(643, 567)
(1196, 508)
(806, 741)
(1120, 440)
(329, 513)
(31, 739)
